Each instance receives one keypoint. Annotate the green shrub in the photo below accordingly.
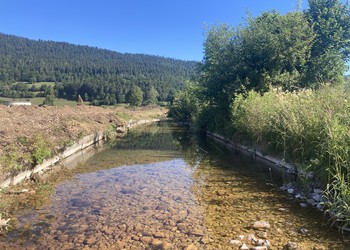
(40, 149)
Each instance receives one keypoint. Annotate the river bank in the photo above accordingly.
(61, 131)
(26, 132)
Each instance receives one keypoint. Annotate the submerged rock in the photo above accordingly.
(236, 243)
(292, 246)
(191, 247)
(303, 231)
(317, 197)
(261, 225)
(262, 235)
(244, 247)
(311, 202)
(259, 248)
(290, 190)
(303, 204)
(317, 191)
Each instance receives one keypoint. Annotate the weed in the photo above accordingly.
(23, 140)
(124, 116)
(10, 160)
(40, 149)
(310, 128)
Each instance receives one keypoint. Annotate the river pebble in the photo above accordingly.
(169, 204)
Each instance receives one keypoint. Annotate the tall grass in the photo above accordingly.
(310, 128)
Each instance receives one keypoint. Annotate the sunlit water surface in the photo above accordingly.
(159, 188)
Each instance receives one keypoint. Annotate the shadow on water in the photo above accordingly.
(163, 187)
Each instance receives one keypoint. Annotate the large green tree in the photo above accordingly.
(330, 20)
(50, 97)
(275, 50)
(150, 94)
(271, 49)
(135, 96)
(217, 72)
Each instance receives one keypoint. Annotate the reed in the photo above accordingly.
(310, 128)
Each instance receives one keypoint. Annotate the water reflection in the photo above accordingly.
(234, 191)
(163, 188)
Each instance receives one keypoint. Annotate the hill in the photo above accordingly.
(98, 75)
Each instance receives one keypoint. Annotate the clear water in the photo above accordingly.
(161, 188)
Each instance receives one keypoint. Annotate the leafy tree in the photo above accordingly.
(151, 96)
(33, 88)
(275, 50)
(272, 49)
(50, 96)
(135, 96)
(331, 49)
(331, 22)
(186, 103)
(218, 71)
(120, 98)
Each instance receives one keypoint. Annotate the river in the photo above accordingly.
(161, 187)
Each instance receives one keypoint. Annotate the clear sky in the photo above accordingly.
(158, 27)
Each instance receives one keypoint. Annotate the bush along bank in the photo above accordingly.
(311, 130)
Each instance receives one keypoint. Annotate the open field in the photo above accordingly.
(37, 84)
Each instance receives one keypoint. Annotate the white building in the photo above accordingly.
(18, 103)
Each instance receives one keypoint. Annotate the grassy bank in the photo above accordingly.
(310, 129)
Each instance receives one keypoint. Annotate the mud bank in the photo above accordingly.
(73, 150)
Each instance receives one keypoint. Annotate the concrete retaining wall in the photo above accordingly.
(252, 152)
(269, 160)
(76, 147)
(70, 151)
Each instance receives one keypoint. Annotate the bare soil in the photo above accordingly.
(61, 126)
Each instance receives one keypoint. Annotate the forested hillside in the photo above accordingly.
(98, 75)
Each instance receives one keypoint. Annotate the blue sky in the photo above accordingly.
(158, 27)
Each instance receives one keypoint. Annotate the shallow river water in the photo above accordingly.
(160, 188)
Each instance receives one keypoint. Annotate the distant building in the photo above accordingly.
(18, 103)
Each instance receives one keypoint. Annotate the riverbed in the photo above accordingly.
(162, 187)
